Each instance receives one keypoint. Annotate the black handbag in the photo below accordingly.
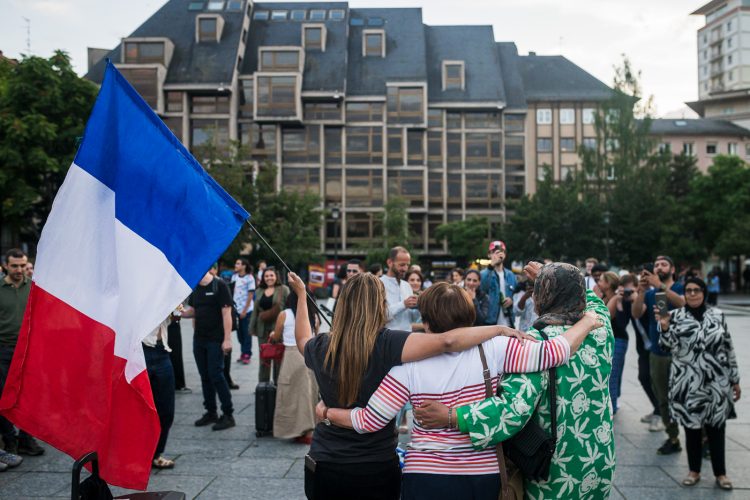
(531, 450)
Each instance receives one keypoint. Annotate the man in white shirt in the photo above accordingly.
(244, 287)
(399, 295)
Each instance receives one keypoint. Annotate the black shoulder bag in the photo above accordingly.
(531, 450)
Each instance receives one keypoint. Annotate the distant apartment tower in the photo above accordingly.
(724, 61)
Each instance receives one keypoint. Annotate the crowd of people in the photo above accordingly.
(480, 361)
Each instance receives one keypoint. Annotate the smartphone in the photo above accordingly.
(661, 306)
(649, 266)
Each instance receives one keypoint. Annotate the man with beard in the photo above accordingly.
(661, 280)
(499, 283)
(399, 296)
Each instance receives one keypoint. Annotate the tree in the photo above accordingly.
(396, 223)
(44, 106)
(467, 239)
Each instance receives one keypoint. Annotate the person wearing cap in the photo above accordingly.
(498, 283)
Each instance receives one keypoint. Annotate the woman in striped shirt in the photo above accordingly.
(455, 379)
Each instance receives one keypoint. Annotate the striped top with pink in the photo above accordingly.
(454, 379)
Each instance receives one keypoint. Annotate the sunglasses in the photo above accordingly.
(693, 291)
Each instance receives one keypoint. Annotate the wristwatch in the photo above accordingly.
(326, 420)
(663, 287)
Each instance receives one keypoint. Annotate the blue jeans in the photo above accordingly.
(618, 364)
(243, 336)
(209, 358)
(161, 377)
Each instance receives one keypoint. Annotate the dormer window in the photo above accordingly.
(280, 59)
(454, 77)
(208, 28)
(314, 37)
(373, 43)
(144, 52)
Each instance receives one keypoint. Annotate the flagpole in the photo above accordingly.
(315, 304)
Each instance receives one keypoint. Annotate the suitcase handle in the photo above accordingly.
(92, 457)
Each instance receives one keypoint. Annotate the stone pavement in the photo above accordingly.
(236, 464)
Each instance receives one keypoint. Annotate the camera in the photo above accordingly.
(627, 293)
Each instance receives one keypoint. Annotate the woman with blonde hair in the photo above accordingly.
(349, 363)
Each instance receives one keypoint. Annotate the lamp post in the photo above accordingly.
(335, 213)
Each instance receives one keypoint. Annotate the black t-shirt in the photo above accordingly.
(208, 302)
(335, 444)
(621, 320)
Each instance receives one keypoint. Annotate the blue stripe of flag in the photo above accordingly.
(161, 192)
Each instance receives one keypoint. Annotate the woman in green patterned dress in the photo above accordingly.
(584, 461)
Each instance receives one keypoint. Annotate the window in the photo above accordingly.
(453, 151)
(145, 82)
(215, 5)
(261, 15)
(259, 139)
(729, 42)
(317, 15)
(280, 60)
(336, 15)
(144, 52)
(277, 96)
(405, 105)
(612, 144)
(568, 145)
(175, 125)
(453, 119)
(665, 147)
(567, 116)
(246, 98)
(731, 75)
(407, 184)
(333, 187)
(566, 171)
(333, 146)
(313, 38)
(732, 148)
(515, 123)
(514, 148)
(364, 145)
(729, 25)
(207, 27)
(729, 60)
(364, 112)
(543, 116)
(373, 43)
(174, 101)
(355, 21)
(195, 6)
(747, 149)
(322, 111)
(589, 143)
(688, 148)
(454, 190)
(481, 120)
(435, 189)
(206, 133)
(300, 180)
(297, 15)
(711, 148)
(453, 75)
(278, 15)
(515, 169)
(434, 118)
(362, 229)
(435, 149)
(588, 116)
(210, 104)
(543, 145)
(364, 188)
(415, 147)
(395, 147)
(300, 145)
(375, 21)
(483, 151)
(234, 5)
(483, 191)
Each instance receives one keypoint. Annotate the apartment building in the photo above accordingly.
(362, 104)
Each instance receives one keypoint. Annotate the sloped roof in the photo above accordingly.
(697, 126)
(555, 78)
(510, 75)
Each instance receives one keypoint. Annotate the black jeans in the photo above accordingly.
(450, 487)
(174, 338)
(644, 371)
(359, 481)
(209, 359)
(161, 377)
(7, 431)
(716, 443)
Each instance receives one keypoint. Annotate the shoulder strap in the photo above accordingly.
(552, 388)
(498, 446)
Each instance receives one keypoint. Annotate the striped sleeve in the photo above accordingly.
(535, 356)
(383, 406)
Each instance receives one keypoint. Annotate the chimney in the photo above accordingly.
(532, 53)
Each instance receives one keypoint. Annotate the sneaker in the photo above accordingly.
(656, 425)
(9, 459)
(233, 386)
(207, 418)
(11, 446)
(183, 390)
(669, 447)
(246, 359)
(27, 445)
(647, 419)
(3, 467)
(225, 422)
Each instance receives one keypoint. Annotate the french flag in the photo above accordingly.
(133, 228)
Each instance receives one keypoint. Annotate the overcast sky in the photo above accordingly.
(659, 36)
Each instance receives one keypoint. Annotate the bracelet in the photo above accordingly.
(449, 418)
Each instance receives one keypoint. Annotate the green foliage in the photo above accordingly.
(44, 106)
(467, 239)
(395, 223)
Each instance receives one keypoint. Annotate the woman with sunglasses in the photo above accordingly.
(704, 381)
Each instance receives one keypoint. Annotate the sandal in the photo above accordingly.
(163, 463)
(724, 484)
(691, 480)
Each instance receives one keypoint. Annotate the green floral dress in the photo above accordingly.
(584, 460)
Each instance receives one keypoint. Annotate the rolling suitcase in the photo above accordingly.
(265, 405)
